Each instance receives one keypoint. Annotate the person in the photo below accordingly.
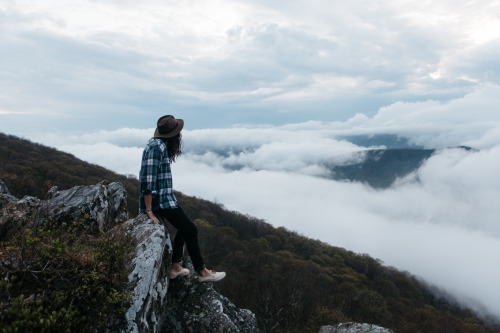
(156, 197)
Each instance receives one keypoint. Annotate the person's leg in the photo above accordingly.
(178, 247)
(186, 232)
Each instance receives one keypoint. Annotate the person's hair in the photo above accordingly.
(174, 146)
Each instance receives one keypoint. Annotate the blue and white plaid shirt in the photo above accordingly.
(155, 176)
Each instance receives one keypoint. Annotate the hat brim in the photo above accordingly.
(177, 130)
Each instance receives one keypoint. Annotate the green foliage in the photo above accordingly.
(62, 279)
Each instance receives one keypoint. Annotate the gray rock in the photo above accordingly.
(3, 188)
(53, 192)
(5, 196)
(105, 205)
(178, 305)
(354, 328)
(148, 279)
(101, 206)
(197, 307)
(16, 213)
(157, 304)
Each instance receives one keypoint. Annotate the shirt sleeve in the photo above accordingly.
(149, 170)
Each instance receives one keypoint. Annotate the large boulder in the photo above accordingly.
(5, 196)
(148, 279)
(100, 207)
(197, 307)
(16, 213)
(354, 328)
(3, 188)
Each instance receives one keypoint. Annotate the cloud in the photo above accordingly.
(123, 138)
(235, 62)
(310, 156)
(105, 154)
(440, 228)
(291, 147)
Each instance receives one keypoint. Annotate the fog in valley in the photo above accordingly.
(439, 222)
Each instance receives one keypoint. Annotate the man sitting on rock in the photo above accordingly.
(156, 197)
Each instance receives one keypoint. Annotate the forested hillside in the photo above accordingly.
(292, 283)
(381, 167)
(31, 169)
(296, 284)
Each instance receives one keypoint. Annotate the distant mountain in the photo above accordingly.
(381, 167)
(387, 158)
(390, 141)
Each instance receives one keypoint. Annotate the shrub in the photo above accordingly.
(57, 277)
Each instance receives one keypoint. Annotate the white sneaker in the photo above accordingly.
(183, 272)
(212, 277)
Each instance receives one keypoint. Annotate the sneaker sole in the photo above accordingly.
(172, 276)
(213, 279)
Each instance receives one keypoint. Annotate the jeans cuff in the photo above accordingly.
(199, 270)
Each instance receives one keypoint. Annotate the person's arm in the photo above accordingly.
(148, 177)
(148, 199)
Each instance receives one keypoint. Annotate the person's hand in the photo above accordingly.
(152, 217)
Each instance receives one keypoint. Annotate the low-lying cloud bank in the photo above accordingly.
(443, 228)
(440, 223)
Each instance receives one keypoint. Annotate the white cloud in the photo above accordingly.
(443, 227)
(489, 139)
(123, 137)
(119, 159)
(237, 61)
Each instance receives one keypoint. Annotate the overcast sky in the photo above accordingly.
(271, 89)
(88, 65)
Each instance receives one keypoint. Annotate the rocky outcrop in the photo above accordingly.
(104, 204)
(100, 207)
(14, 211)
(179, 305)
(5, 196)
(3, 188)
(195, 307)
(354, 328)
(148, 279)
(158, 304)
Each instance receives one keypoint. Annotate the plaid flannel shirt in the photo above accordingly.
(155, 177)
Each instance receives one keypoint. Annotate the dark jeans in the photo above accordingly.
(186, 232)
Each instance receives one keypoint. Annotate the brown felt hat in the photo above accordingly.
(168, 126)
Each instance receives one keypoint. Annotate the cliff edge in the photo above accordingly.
(157, 303)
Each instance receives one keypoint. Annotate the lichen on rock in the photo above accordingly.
(197, 307)
(354, 328)
(148, 279)
(105, 204)
(100, 206)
